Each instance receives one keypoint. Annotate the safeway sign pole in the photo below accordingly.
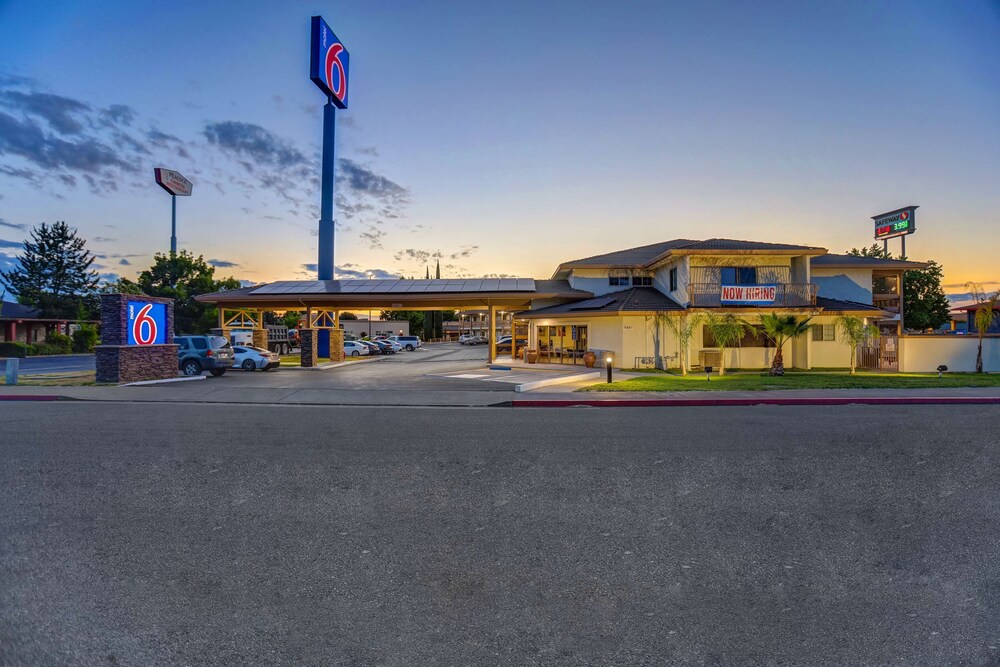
(176, 185)
(173, 224)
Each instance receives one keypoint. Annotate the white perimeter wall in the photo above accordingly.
(919, 354)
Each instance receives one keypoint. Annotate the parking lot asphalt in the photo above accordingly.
(190, 534)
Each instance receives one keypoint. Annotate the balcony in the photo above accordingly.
(787, 295)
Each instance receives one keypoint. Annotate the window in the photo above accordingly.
(673, 279)
(618, 280)
(754, 337)
(199, 343)
(739, 275)
(824, 332)
(644, 281)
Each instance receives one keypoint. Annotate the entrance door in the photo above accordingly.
(562, 344)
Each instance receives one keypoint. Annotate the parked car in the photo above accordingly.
(475, 339)
(355, 348)
(204, 353)
(409, 343)
(251, 358)
(385, 346)
(373, 347)
(503, 343)
(465, 338)
(396, 347)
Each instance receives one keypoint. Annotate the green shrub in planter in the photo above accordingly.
(19, 350)
(85, 338)
(56, 343)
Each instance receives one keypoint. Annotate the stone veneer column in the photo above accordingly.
(310, 352)
(336, 344)
(260, 338)
(118, 362)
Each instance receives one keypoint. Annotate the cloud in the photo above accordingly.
(103, 239)
(312, 268)
(464, 251)
(22, 227)
(118, 114)
(63, 114)
(421, 256)
(374, 238)
(27, 140)
(222, 264)
(245, 140)
(11, 244)
(109, 277)
(124, 262)
(354, 272)
(8, 263)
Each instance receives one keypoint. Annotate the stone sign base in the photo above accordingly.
(130, 363)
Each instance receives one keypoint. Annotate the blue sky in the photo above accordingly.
(502, 138)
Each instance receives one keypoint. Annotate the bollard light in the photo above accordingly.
(941, 369)
(608, 364)
(708, 373)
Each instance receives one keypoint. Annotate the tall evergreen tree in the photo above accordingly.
(55, 272)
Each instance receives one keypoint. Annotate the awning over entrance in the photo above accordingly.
(396, 294)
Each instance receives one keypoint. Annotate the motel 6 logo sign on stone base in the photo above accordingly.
(330, 62)
(147, 323)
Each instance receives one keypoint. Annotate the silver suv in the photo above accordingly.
(204, 353)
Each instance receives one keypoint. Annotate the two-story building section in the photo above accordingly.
(637, 288)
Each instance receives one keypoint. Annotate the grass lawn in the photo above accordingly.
(791, 380)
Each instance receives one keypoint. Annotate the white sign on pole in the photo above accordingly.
(173, 182)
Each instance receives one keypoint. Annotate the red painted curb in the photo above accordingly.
(27, 397)
(721, 402)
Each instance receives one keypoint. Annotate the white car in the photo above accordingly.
(395, 346)
(251, 358)
(353, 348)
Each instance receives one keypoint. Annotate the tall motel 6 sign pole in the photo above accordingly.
(329, 67)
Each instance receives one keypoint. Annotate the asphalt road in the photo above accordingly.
(68, 363)
(143, 534)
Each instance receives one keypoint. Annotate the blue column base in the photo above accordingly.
(323, 344)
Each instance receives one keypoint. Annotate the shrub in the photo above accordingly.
(84, 338)
(19, 350)
(55, 343)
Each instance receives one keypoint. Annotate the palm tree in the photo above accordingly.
(986, 315)
(727, 330)
(855, 331)
(780, 329)
(683, 328)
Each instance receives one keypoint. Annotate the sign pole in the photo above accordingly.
(324, 264)
(173, 225)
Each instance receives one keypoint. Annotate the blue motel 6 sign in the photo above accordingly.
(147, 323)
(330, 63)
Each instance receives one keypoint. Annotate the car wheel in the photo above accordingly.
(355, 353)
(249, 365)
(191, 367)
(218, 372)
(409, 348)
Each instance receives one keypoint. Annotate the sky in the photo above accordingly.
(501, 138)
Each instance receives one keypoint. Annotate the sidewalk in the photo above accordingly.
(206, 392)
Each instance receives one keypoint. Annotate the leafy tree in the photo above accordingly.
(291, 318)
(683, 328)
(853, 332)
(121, 286)
(727, 330)
(182, 277)
(780, 329)
(348, 315)
(985, 315)
(54, 272)
(414, 317)
(925, 305)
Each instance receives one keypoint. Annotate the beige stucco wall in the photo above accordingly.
(922, 354)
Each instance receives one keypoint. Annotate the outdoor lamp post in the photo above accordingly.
(942, 369)
(607, 363)
(708, 373)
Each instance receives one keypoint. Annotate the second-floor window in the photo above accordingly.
(673, 279)
(646, 281)
(739, 275)
(618, 280)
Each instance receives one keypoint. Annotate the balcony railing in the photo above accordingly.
(789, 295)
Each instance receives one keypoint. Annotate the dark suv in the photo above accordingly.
(204, 353)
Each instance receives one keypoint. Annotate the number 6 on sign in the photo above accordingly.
(147, 323)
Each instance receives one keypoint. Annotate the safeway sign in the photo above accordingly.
(173, 182)
(749, 294)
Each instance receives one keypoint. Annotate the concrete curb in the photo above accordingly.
(36, 397)
(579, 377)
(142, 383)
(722, 402)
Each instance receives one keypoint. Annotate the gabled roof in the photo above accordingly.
(645, 256)
(632, 300)
(837, 305)
(15, 311)
(832, 261)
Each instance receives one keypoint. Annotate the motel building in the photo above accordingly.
(617, 304)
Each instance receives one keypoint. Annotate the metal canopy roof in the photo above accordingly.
(396, 286)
